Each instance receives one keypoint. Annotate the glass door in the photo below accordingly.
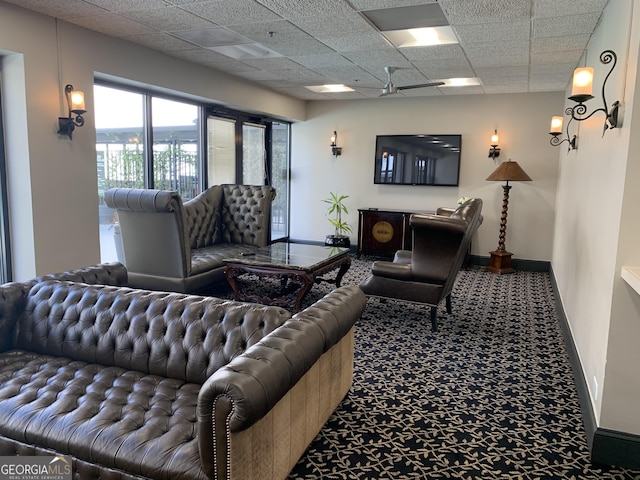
(221, 150)
(254, 154)
(251, 152)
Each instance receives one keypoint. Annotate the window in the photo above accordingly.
(175, 147)
(124, 159)
(156, 144)
(6, 274)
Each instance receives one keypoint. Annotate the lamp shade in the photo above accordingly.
(582, 81)
(556, 125)
(509, 171)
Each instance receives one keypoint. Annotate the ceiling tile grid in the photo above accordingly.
(511, 46)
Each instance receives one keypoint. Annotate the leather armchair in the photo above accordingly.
(176, 246)
(426, 274)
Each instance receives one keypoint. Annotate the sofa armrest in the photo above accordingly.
(242, 392)
(445, 211)
(12, 302)
(154, 237)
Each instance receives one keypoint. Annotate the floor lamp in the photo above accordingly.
(507, 171)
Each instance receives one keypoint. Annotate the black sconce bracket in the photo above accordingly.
(66, 125)
(494, 152)
(579, 112)
(335, 150)
(572, 141)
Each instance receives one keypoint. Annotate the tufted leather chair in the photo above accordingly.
(176, 246)
(427, 273)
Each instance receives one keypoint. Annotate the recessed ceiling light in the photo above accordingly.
(245, 52)
(421, 37)
(459, 82)
(331, 88)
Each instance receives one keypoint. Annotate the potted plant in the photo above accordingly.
(340, 238)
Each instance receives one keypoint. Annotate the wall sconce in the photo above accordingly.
(75, 105)
(335, 150)
(494, 151)
(583, 87)
(556, 130)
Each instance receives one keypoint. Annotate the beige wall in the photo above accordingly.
(522, 122)
(53, 188)
(596, 231)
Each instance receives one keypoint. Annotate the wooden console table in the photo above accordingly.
(383, 232)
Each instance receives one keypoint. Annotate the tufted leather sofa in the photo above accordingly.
(136, 384)
(179, 247)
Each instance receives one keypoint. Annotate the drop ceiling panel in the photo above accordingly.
(494, 32)
(236, 12)
(320, 26)
(160, 41)
(567, 25)
(470, 12)
(511, 45)
(291, 9)
(129, 5)
(553, 8)
(168, 19)
(60, 8)
(449, 52)
(112, 24)
(356, 42)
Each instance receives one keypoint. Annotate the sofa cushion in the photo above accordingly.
(208, 258)
(142, 424)
(168, 334)
(202, 222)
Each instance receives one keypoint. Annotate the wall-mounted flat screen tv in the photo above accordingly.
(418, 160)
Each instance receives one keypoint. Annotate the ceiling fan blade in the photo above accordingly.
(423, 85)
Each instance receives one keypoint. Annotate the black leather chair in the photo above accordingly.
(427, 273)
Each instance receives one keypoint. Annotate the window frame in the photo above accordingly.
(6, 265)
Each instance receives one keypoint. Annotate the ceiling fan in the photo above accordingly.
(390, 89)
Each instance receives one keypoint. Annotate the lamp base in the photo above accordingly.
(500, 262)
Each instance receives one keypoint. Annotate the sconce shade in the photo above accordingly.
(582, 81)
(509, 171)
(77, 101)
(556, 125)
(494, 151)
(75, 104)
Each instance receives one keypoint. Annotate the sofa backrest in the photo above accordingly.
(202, 218)
(173, 335)
(13, 295)
(246, 214)
(152, 230)
(440, 242)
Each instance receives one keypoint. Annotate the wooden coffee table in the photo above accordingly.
(298, 266)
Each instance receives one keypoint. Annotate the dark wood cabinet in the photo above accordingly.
(383, 232)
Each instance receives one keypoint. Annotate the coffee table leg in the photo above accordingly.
(343, 269)
(306, 282)
(232, 275)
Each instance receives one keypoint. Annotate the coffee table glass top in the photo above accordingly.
(290, 255)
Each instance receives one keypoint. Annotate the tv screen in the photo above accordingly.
(418, 160)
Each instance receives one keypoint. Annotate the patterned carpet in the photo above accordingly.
(489, 396)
